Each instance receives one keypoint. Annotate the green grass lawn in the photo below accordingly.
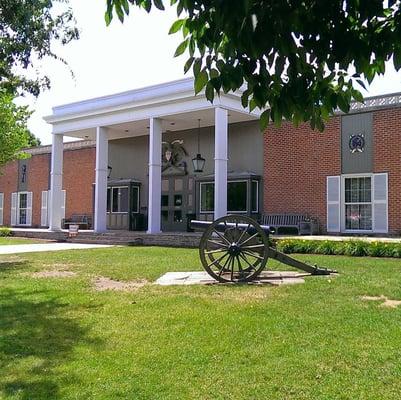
(18, 240)
(61, 339)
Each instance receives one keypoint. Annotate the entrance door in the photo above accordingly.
(176, 202)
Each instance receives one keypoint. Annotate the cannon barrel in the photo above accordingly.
(203, 225)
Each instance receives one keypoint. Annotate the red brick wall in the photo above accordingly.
(297, 161)
(38, 180)
(387, 158)
(8, 185)
(78, 179)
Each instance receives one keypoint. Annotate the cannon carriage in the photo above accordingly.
(236, 248)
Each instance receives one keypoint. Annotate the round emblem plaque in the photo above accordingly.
(356, 143)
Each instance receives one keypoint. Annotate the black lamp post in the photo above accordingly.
(198, 162)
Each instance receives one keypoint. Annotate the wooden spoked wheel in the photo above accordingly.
(234, 249)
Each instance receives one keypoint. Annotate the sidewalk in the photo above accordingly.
(34, 248)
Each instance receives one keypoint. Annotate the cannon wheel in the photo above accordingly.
(234, 249)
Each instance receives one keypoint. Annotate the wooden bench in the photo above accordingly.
(82, 220)
(304, 224)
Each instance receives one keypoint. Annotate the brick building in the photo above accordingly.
(348, 177)
(134, 163)
(25, 184)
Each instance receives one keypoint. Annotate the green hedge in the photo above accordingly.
(357, 248)
(4, 231)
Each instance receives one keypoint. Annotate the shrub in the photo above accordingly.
(352, 247)
(326, 247)
(4, 231)
(357, 248)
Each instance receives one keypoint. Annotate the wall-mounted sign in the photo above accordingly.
(356, 143)
(23, 173)
(173, 154)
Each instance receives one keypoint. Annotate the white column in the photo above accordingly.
(100, 223)
(56, 183)
(220, 162)
(155, 171)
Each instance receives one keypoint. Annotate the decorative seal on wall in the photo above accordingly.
(173, 154)
(356, 143)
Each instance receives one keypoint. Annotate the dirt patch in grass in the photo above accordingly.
(102, 283)
(386, 302)
(53, 274)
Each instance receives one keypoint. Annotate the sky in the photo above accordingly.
(121, 57)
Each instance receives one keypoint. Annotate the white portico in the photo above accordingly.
(143, 112)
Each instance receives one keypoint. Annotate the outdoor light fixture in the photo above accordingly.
(109, 169)
(198, 162)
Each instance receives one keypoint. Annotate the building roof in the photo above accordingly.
(79, 144)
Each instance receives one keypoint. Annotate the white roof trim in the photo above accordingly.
(155, 95)
(155, 101)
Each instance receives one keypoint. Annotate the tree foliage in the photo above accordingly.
(27, 29)
(297, 59)
(14, 134)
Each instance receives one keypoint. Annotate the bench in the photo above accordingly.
(82, 220)
(304, 224)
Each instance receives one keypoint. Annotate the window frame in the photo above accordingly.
(344, 204)
(24, 192)
(257, 196)
(200, 197)
(138, 199)
(119, 202)
(248, 192)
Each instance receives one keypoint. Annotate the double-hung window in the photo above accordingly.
(358, 203)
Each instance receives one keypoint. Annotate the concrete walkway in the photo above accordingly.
(34, 248)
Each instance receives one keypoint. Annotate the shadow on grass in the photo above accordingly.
(6, 266)
(36, 337)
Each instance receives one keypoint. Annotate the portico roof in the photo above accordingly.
(127, 114)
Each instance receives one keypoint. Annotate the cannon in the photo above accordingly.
(236, 248)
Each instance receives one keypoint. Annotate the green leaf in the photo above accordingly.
(264, 120)
(197, 66)
(209, 92)
(200, 81)
(357, 95)
(159, 4)
(108, 16)
(188, 64)
(176, 26)
(343, 104)
(397, 60)
(181, 48)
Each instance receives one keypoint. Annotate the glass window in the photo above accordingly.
(177, 200)
(164, 200)
(23, 200)
(119, 199)
(358, 206)
(255, 196)
(22, 209)
(164, 216)
(22, 216)
(207, 197)
(177, 216)
(123, 203)
(237, 196)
